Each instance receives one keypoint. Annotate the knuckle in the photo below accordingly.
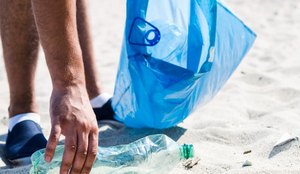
(72, 148)
(82, 153)
(84, 127)
(86, 170)
(94, 135)
(95, 130)
(93, 153)
(74, 117)
(66, 165)
(54, 136)
(76, 170)
(64, 122)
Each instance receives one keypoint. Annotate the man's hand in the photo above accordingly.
(72, 116)
(70, 110)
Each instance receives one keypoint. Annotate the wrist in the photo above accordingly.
(68, 84)
(77, 91)
(68, 72)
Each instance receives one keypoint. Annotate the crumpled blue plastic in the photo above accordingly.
(176, 55)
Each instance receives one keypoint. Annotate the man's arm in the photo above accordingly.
(70, 110)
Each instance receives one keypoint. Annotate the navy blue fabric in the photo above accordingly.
(25, 138)
(105, 112)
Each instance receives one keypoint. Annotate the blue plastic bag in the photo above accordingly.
(176, 55)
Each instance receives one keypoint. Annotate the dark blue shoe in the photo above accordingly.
(25, 138)
(106, 112)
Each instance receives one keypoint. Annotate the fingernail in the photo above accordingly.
(48, 159)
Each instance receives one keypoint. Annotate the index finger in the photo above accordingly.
(52, 142)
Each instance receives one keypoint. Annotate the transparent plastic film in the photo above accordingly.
(149, 155)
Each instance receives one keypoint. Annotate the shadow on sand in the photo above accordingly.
(2, 156)
(113, 133)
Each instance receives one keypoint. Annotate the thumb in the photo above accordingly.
(52, 142)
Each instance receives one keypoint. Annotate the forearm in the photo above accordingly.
(56, 23)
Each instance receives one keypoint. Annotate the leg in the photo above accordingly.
(20, 50)
(101, 102)
(83, 27)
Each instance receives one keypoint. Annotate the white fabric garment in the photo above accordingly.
(23, 117)
(100, 100)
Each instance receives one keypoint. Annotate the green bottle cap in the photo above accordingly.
(186, 151)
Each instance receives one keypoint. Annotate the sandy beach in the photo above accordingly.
(257, 106)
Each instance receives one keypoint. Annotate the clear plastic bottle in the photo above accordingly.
(149, 155)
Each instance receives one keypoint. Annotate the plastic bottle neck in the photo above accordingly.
(186, 151)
